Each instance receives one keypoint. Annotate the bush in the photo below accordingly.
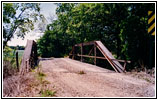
(9, 62)
(8, 69)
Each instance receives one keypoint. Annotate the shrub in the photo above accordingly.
(47, 93)
(9, 62)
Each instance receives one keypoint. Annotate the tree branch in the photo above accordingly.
(12, 31)
(20, 14)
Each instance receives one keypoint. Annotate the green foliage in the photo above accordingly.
(8, 12)
(44, 91)
(40, 76)
(19, 18)
(47, 93)
(9, 62)
(9, 55)
(121, 27)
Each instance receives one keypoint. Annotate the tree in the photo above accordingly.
(121, 27)
(19, 18)
(134, 36)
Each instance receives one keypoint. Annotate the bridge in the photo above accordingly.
(29, 59)
(107, 55)
(73, 78)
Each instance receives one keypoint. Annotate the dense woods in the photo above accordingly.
(122, 27)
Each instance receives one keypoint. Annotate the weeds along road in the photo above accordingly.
(72, 78)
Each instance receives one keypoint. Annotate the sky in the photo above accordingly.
(47, 9)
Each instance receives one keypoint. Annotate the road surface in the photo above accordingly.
(65, 76)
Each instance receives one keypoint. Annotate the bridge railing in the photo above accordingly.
(106, 53)
(29, 59)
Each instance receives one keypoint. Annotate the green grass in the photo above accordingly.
(148, 80)
(12, 57)
(44, 92)
(81, 72)
(47, 93)
(40, 76)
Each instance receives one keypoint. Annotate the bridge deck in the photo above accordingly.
(64, 74)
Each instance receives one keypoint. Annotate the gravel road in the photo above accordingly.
(66, 78)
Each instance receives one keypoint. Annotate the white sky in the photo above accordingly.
(47, 9)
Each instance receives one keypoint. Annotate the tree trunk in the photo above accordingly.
(4, 44)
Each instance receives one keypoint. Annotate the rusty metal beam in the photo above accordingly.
(107, 59)
(90, 51)
(73, 52)
(91, 56)
(81, 52)
(95, 54)
(101, 58)
(106, 53)
(87, 43)
(121, 60)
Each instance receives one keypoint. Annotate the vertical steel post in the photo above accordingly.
(81, 52)
(95, 54)
(73, 56)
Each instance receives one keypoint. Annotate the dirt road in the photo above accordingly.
(67, 78)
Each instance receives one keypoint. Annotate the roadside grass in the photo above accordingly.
(47, 93)
(81, 72)
(44, 84)
(9, 61)
(40, 76)
(35, 82)
(148, 80)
